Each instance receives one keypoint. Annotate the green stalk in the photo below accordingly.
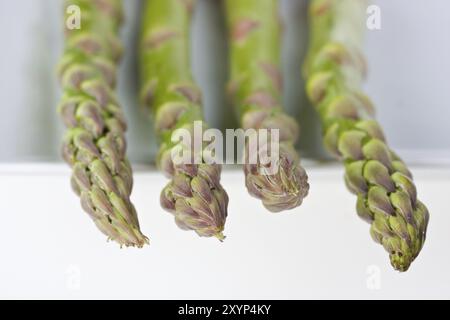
(94, 145)
(335, 68)
(194, 194)
(255, 88)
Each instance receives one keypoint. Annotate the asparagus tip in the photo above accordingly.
(220, 236)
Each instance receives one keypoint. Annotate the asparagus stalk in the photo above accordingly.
(255, 88)
(94, 144)
(335, 68)
(194, 195)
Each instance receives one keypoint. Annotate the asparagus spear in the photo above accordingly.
(94, 144)
(335, 68)
(194, 195)
(255, 88)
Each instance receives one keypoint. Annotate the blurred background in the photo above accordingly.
(51, 249)
(408, 78)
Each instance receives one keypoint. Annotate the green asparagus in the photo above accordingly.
(94, 145)
(194, 195)
(255, 88)
(335, 68)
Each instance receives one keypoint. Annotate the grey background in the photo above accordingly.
(408, 79)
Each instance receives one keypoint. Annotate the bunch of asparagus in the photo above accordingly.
(335, 68)
(95, 147)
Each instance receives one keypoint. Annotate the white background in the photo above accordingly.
(50, 248)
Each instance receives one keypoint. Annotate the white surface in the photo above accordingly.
(51, 249)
